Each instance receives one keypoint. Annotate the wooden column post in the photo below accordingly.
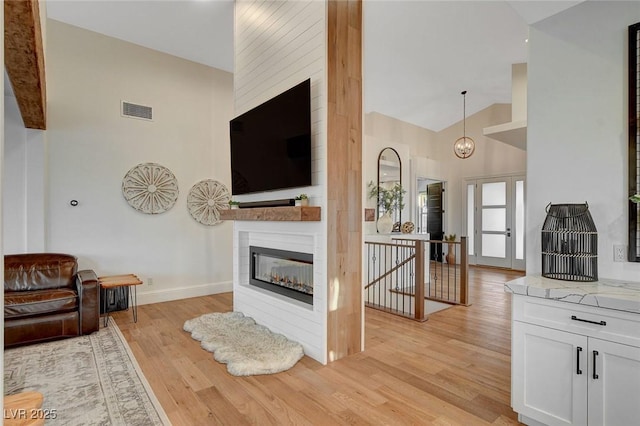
(344, 178)
(464, 272)
(419, 281)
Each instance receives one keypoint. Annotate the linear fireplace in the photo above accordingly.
(284, 272)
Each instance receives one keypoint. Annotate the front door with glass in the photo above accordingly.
(496, 216)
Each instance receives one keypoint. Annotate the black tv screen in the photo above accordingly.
(271, 144)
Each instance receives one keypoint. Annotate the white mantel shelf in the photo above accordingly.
(279, 214)
(605, 293)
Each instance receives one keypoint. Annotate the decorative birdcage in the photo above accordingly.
(569, 243)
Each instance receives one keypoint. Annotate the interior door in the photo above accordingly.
(434, 218)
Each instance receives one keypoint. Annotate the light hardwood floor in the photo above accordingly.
(452, 369)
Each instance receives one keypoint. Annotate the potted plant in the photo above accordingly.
(388, 200)
(234, 204)
(451, 249)
(635, 198)
(302, 200)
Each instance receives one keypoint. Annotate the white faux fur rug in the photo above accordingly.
(246, 347)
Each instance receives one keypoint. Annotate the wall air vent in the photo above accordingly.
(136, 111)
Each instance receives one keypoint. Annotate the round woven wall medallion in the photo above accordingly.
(150, 188)
(205, 200)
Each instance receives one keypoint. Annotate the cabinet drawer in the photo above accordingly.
(622, 327)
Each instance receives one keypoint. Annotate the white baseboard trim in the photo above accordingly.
(167, 295)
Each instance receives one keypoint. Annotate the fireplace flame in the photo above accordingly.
(292, 282)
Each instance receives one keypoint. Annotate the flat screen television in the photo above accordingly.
(271, 144)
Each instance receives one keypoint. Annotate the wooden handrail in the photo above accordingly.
(390, 244)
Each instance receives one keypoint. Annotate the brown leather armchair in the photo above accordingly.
(47, 298)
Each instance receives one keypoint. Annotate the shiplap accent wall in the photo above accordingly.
(278, 45)
(295, 319)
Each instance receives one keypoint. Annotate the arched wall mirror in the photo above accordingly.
(389, 175)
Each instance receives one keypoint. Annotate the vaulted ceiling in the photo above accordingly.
(418, 55)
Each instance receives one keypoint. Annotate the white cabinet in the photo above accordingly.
(614, 395)
(574, 365)
(545, 385)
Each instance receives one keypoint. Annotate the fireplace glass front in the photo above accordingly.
(284, 272)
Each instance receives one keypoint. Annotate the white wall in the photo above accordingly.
(430, 155)
(14, 186)
(577, 127)
(36, 191)
(24, 192)
(420, 141)
(91, 147)
(278, 45)
(491, 158)
(410, 141)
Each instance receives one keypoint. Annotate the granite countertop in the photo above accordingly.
(605, 293)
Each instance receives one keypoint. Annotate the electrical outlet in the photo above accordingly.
(149, 281)
(619, 253)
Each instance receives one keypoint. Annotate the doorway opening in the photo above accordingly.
(430, 213)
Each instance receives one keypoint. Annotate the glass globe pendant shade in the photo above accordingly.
(464, 147)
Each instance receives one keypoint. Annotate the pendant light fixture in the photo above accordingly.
(464, 146)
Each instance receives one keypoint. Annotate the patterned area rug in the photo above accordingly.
(246, 347)
(87, 380)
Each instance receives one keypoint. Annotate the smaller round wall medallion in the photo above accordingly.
(408, 227)
(150, 188)
(205, 200)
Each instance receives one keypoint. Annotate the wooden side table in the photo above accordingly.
(128, 280)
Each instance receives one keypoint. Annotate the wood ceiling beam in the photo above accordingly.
(24, 60)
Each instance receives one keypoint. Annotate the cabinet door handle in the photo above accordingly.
(578, 370)
(575, 318)
(595, 372)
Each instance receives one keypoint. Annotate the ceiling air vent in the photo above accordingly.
(136, 111)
